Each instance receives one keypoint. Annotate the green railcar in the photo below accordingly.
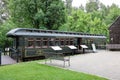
(31, 43)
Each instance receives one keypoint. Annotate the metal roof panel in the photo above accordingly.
(49, 33)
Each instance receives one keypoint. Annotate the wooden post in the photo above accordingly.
(83, 50)
(17, 52)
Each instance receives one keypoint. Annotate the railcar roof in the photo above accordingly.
(49, 33)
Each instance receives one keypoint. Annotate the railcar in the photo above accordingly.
(30, 43)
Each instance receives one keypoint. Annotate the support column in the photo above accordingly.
(17, 52)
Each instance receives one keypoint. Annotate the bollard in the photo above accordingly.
(0, 58)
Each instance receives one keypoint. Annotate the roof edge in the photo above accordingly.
(114, 22)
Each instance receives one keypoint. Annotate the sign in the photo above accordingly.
(93, 47)
(72, 47)
(56, 48)
(83, 46)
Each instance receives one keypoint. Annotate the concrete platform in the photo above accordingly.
(7, 60)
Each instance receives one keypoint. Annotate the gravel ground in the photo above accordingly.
(102, 63)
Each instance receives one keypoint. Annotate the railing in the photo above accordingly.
(14, 54)
(56, 55)
(113, 46)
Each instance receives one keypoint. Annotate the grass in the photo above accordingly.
(35, 71)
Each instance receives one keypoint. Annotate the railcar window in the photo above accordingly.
(14, 43)
(30, 43)
(67, 41)
(45, 42)
(21, 41)
(38, 43)
(62, 42)
(71, 41)
(57, 41)
(51, 42)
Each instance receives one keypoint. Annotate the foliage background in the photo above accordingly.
(93, 18)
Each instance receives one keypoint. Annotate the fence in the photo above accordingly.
(113, 46)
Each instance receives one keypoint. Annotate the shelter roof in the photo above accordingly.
(116, 22)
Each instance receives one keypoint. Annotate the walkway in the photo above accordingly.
(7, 60)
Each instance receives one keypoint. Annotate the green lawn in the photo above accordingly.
(35, 71)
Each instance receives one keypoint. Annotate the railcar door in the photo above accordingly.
(79, 42)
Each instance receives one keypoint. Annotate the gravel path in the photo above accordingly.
(7, 60)
(102, 63)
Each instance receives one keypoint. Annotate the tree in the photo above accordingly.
(3, 12)
(78, 21)
(81, 7)
(69, 6)
(87, 22)
(55, 14)
(92, 5)
(103, 10)
(114, 12)
(48, 14)
(4, 41)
